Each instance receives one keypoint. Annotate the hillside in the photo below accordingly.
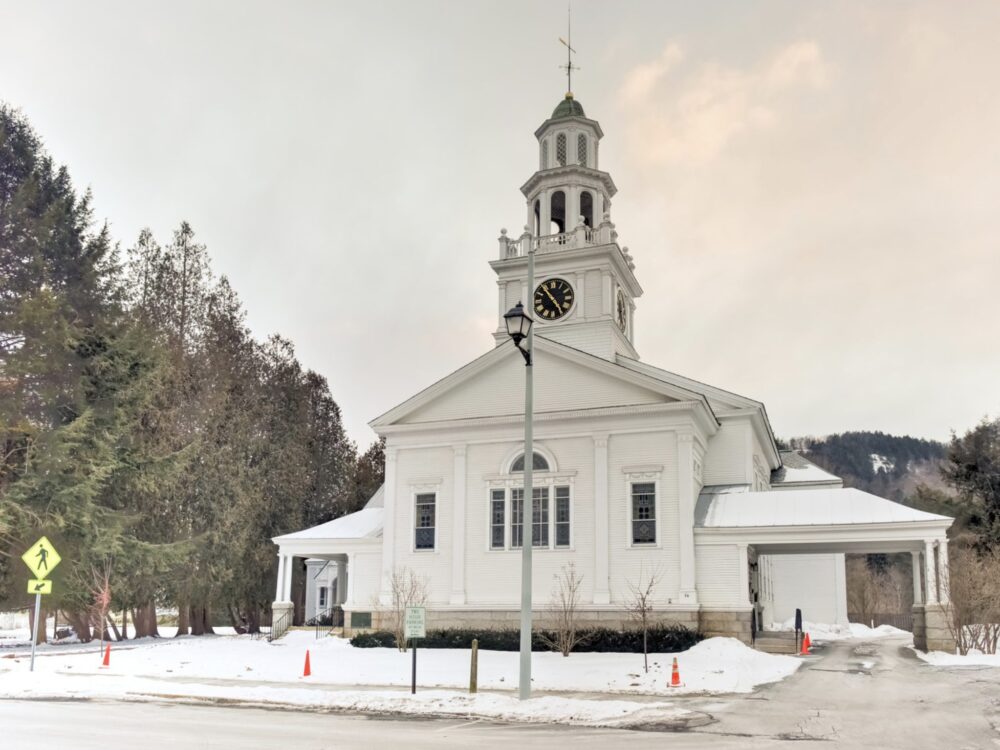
(887, 465)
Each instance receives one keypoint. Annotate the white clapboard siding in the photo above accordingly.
(718, 575)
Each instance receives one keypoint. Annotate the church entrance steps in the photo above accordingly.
(776, 642)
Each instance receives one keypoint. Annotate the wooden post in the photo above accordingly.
(474, 674)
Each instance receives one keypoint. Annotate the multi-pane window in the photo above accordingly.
(562, 516)
(497, 519)
(550, 517)
(644, 513)
(561, 149)
(545, 155)
(538, 463)
(581, 149)
(322, 597)
(425, 521)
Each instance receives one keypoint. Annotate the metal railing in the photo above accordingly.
(901, 620)
(281, 625)
(327, 620)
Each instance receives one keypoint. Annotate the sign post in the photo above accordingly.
(414, 626)
(41, 558)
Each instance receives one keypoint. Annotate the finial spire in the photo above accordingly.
(567, 42)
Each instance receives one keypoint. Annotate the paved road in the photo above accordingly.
(853, 694)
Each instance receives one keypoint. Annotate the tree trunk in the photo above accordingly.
(80, 625)
(114, 628)
(41, 624)
(124, 623)
(253, 620)
(182, 619)
(197, 623)
(150, 615)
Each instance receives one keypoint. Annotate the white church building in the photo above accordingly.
(637, 469)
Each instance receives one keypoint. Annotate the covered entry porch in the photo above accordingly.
(352, 545)
(834, 521)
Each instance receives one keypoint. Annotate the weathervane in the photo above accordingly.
(567, 42)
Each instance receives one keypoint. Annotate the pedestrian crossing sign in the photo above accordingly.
(40, 586)
(41, 558)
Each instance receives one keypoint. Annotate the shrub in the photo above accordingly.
(662, 639)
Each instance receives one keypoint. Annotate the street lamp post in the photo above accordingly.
(520, 328)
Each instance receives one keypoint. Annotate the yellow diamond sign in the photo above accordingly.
(40, 586)
(41, 558)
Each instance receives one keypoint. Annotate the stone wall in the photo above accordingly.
(728, 624)
(931, 629)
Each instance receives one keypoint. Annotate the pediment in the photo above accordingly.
(566, 379)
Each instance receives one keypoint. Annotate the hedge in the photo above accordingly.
(662, 639)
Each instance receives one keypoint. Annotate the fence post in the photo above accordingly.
(474, 674)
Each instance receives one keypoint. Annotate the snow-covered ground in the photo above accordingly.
(824, 632)
(971, 659)
(238, 668)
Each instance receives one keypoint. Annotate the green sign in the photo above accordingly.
(414, 623)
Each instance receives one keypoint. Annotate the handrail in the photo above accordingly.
(280, 626)
(327, 620)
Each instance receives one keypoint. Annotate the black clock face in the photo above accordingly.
(622, 310)
(553, 299)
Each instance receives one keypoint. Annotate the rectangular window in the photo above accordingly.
(516, 516)
(562, 516)
(426, 521)
(496, 519)
(644, 513)
(322, 597)
(540, 516)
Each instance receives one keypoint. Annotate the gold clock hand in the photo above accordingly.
(549, 295)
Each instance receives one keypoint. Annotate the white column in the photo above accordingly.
(286, 586)
(546, 213)
(743, 560)
(602, 592)
(388, 525)
(685, 517)
(918, 591)
(840, 586)
(349, 600)
(281, 578)
(943, 581)
(930, 564)
(341, 581)
(458, 527)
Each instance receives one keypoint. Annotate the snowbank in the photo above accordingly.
(717, 665)
(824, 632)
(549, 709)
(972, 659)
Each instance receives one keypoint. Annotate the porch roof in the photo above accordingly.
(721, 507)
(365, 524)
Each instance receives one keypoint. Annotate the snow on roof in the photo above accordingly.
(797, 469)
(378, 499)
(364, 524)
(805, 507)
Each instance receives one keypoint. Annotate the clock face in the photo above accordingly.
(553, 299)
(622, 310)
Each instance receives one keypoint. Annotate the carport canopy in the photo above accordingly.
(825, 520)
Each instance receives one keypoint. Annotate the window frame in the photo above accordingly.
(630, 482)
(582, 148)
(562, 141)
(549, 492)
(416, 520)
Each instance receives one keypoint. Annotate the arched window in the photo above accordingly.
(545, 155)
(581, 149)
(561, 149)
(557, 212)
(538, 463)
(538, 217)
(587, 208)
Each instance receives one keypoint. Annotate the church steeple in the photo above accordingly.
(587, 287)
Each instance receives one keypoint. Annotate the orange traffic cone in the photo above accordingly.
(307, 671)
(107, 656)
(675, 675)
(805, 645)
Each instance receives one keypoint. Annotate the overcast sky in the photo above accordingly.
(811, 191)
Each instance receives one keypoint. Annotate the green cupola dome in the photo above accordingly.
(568, 107)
